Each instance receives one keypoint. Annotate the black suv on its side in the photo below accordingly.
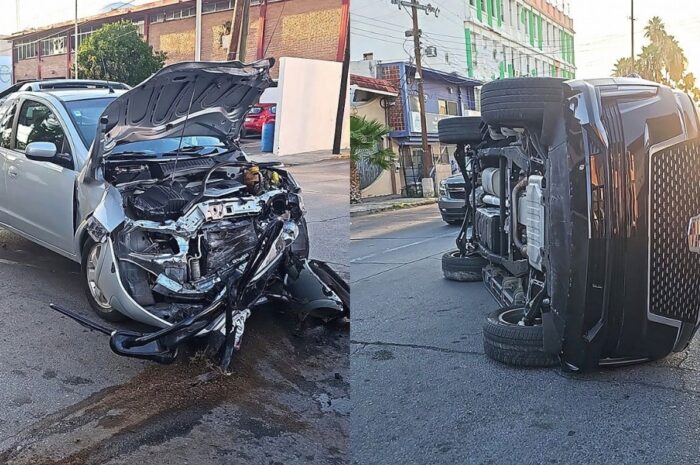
(585, 212)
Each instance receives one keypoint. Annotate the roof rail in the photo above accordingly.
(56, 84)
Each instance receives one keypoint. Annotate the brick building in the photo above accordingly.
(277, 28)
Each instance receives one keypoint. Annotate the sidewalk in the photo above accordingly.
(370, 206)
(252, 148)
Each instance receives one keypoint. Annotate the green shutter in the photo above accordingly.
(573, 55)
(501, 70)
(539, 31)
(531, 26)
(499, 11)
(511, 72)
(489, 12)
(470, 59)
(478, 9)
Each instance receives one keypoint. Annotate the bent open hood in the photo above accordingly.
(220, 94)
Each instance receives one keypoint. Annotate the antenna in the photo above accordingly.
(182, 134)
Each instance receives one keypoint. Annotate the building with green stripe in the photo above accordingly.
(510, 38)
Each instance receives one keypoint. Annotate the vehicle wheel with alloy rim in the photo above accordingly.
(463, 269)
(507, 341)
(92, 252)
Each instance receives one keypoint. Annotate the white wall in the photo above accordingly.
(5, 64)
(378, 27)
(308, 106)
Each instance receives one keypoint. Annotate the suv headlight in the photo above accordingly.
(443, 189)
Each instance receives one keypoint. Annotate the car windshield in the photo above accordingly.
(85, 115)
(190, 145)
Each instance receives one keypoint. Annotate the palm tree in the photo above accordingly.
(624, 67)
(662, 60)
(366, 143)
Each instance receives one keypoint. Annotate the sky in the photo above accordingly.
(34, 13)
(602, 26)
(603, 31)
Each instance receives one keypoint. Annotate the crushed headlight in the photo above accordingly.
(94, 228)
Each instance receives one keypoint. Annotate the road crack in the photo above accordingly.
(417, 346)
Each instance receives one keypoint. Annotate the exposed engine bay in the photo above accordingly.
(187, 234)
(199, 249)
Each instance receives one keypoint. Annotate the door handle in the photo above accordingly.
(12, 172)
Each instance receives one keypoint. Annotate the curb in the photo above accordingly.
(392, 206)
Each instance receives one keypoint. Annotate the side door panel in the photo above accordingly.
(40, 194)
(7, 114)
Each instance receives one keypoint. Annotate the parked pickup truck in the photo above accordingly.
(585, 219)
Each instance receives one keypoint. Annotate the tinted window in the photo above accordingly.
(85, 115)
(7, 114)
(37, 123)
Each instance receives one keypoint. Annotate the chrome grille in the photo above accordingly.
(674, 198)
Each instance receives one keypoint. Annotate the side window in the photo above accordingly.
(37, 123)
(7, 116)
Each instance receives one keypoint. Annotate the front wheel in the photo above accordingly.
(92, 252)
(506, 341)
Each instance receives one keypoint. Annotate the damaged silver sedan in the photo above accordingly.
(173, 225)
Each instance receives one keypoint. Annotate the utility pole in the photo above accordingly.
(198, 31)
(632, 28)
(239, 30)
(427, 181)
(75, 40)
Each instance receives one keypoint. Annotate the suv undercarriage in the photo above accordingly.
(583, 195)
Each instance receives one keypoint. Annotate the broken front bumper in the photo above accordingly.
(274, 273)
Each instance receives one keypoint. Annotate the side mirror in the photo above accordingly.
(41, 151)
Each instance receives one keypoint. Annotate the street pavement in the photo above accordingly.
(66, 399)
(424, 392)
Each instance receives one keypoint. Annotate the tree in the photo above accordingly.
(662, 60)
(366, 143)
(116, 52)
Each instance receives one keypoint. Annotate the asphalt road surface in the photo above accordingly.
(66, 399)
(424, 393)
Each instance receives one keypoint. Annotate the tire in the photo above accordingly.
(462, 269)
(507, 342)
(460, 130)
(520, 102)
(101, 308)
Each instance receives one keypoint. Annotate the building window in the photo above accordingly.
(472, 2)
(27, 49)
(446, 107)
(414, 103)
(53, 46)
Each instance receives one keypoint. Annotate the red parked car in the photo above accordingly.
(257, 116)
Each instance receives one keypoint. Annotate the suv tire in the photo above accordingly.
(460, 130)
(520, 102)
(462, 269)
(507, 342)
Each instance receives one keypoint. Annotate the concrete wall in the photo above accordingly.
(308, 105)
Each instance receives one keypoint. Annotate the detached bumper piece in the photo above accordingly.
(308, 287)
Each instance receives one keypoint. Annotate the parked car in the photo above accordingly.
(259, 115)
(586, 228)
(452, 199)
(173, 225)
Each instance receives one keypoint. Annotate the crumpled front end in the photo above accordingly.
(195, 255)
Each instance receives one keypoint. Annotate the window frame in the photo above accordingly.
(66, 133)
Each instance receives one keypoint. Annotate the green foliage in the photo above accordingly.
(662, 60)
(366, 138)
(116, 52)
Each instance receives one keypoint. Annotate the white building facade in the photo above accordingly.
(480, 39)
(510, 38)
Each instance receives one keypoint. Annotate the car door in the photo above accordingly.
(40, 193)
(8, 110)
